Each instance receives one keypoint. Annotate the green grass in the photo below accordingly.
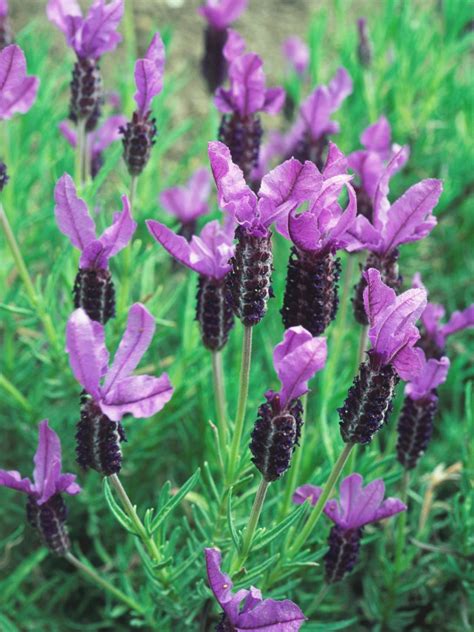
(421, 79)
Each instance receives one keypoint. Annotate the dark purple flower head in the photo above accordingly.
(245, 609)
(90, 36)
(282, 190)
(433, 373)
(17, 89)
(75, 222)
(220, 13)
(408, 219)
(100, 138)
(207, 254)
(357, 506)
(113, 388)
(392, 330)
(324, 226)
(297, 54)
(47, 477)
(149, 75)
(369, 163)
(297, 358)
(248, 93)
(190, 201)
(434, 313)
(364, 49)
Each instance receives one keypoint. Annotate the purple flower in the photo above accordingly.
(190, 201)
(6, 34)
(17, 89)
(433, 373)
(369, 163)
(98, 140)
(4, 9)
(358, 506)
(113, 388)
(282, 190)
(278, 427)
(75, 222)
(433, 340)
(297, 53)
(90, 36)
(221, 13)
(392, 330)
(245, 609)
(47, 477)
(140, 132)
(45, 508)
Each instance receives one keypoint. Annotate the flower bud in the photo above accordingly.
(344, 545)
(138, 139)
(94, 291)
(242, 135)
(49, 519)
(415, 428)
(213, 312)
(86, 92)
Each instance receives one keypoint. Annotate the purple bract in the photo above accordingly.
(433, 373)
(120, 392)
(47, 477)
(245, 609)
(297, 54)
(75, 222)
(17, 89)
(149, 75)
(190, 201)
(220, 13)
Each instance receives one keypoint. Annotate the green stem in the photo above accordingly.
(25, 277)
(130, 510)
(80, 149)
(363, 342)
(327, 491)
(127, 253)
(314, 605)
(293, 475)
(401, 525)
(242, 403)
(251, 525)
(92, 575)
(220, 399)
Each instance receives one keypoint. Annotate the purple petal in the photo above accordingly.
(58, 10)
(47, 463)
(135, 341)
(176, 245)
(316, 110)
(381, 203)
(86, 351)
(13, 480)
(296, 359)
(4, 8)
(340, 87)
(433, 374)
(377, 295)
(117, 236)
(17, 90)
(297, 53)
(141, 395)
(307, 491)
(71, 213)
(459, 321)
(389, 507)
(99, 31)
(359, 504)
(274, 100)
(377, 137)
(336, 162)
(221, 13)
(67, 483)
(410, 217)
(247, 81)
(149, 74)
(431, 318)
(408, 360)
(252, 599)
(211, 251)
(362, 235)
(234, 46)
(108, 133)
(304, 232)
(271, 616)
(68, 132)
(221, 585)
(189, 202)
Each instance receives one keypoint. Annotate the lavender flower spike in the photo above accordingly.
(282, 191)
(139, 133)
(308, 138)
(6, 35)
(278, 427)
(45, 508)
(415, 425)
(90, 37)
(111, 392)
(189, 202)
(408, 219)
(240, 104)
(364, 48)
(99, 139)
(297, 53)
(246, 609)
(17, 89)
(219, 14)
(313, 269)
(207, 254)
(358, 506)
(393, 336)
(433, 333)
(93, 287)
